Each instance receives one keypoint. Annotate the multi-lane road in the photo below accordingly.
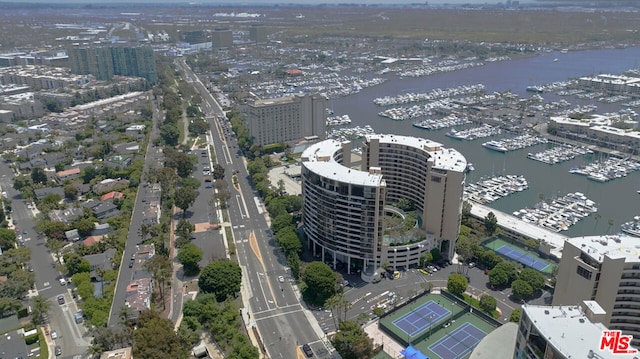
(273, 305)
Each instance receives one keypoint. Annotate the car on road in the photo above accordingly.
(62, 281)
(423, 271)
(307, 350)
(60, 299)
(54, 334)
(131, 264)
(58, 350)
(281, 279)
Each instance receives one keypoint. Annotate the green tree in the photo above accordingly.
(521, 289)
(70, 192)
(435, 255)
(170, 135)
(183, 231)
(515, 315)
(190, 256)
(76, 264)
(491, 223)
(457, 284)
(8, 306)
(38, 176)
(184, 198)
(84, 226)
(289, 241)
(320, 282)
(155, 338)
(218, 171)
(7, 239)
(222, 278)
(533, 277)
(466, 212)
(488, 303)
(182, 162)
(352, 342)
(502, 274)
(425, 259)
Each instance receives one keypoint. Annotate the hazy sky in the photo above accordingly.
(267, 2)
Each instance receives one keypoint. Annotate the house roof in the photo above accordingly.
(112, 195)
(69, 172)
(91, 240)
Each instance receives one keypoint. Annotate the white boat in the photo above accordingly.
(555, 60)
(496, 146)
(455, 134)
(632, 228)
(470, 167)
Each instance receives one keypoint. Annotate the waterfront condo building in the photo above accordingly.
(287, 119)
(346, 208)
(562, 332)
(605, 269)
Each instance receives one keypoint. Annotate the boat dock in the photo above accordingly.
(560, 213)
(560, 153)
(494, 188)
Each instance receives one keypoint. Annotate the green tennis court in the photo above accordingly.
(526, 258)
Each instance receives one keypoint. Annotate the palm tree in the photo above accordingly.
(39, 308)
(597, 217)
(162, 270)
(610, 222)
(334, 303)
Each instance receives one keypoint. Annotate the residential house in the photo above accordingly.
(91, 240)
(101, 229)
(138, 296)
(72, 235)
(100, 262)
(43, 192)
(111, 196)
(128, 147)
(109, 184)
(67, 215)
(68, 174)
(102, 210)
(124, 353)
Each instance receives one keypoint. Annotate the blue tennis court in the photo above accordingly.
(524, 258)
(458, 343)
(421, 318)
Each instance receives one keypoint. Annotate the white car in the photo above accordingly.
(54, 335)
(281, 279)
(63, 281)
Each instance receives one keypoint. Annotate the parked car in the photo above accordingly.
(58, 350)
(60, 299)
(62, 281)
(54, 334)
(280, 279)
(307, 350)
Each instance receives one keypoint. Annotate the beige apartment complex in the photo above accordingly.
(287, 119)
(605, 269)
(344, 208)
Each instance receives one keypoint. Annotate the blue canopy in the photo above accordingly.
(412, 353)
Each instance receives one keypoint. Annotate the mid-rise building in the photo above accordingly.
(222, 38)
(287, 119)
(605, 269)
(105, 62)
(258, 33)
(344, 208)
(562, 332)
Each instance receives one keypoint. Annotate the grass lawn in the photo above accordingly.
(476, 304)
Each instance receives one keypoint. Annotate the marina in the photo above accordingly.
(560, 153)
(514, 143)
(494, 188)
(338, 120)
(474, 133)
(350, 133)
(428, 96)
(607, 170)
(560, 213)
(436, 124)
(632, 227)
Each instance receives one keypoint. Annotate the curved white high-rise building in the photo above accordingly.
(344, 207)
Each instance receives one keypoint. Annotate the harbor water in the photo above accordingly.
(618, 200)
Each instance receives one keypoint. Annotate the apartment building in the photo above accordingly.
(287, 119)
(605, 269)
(344, 207)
